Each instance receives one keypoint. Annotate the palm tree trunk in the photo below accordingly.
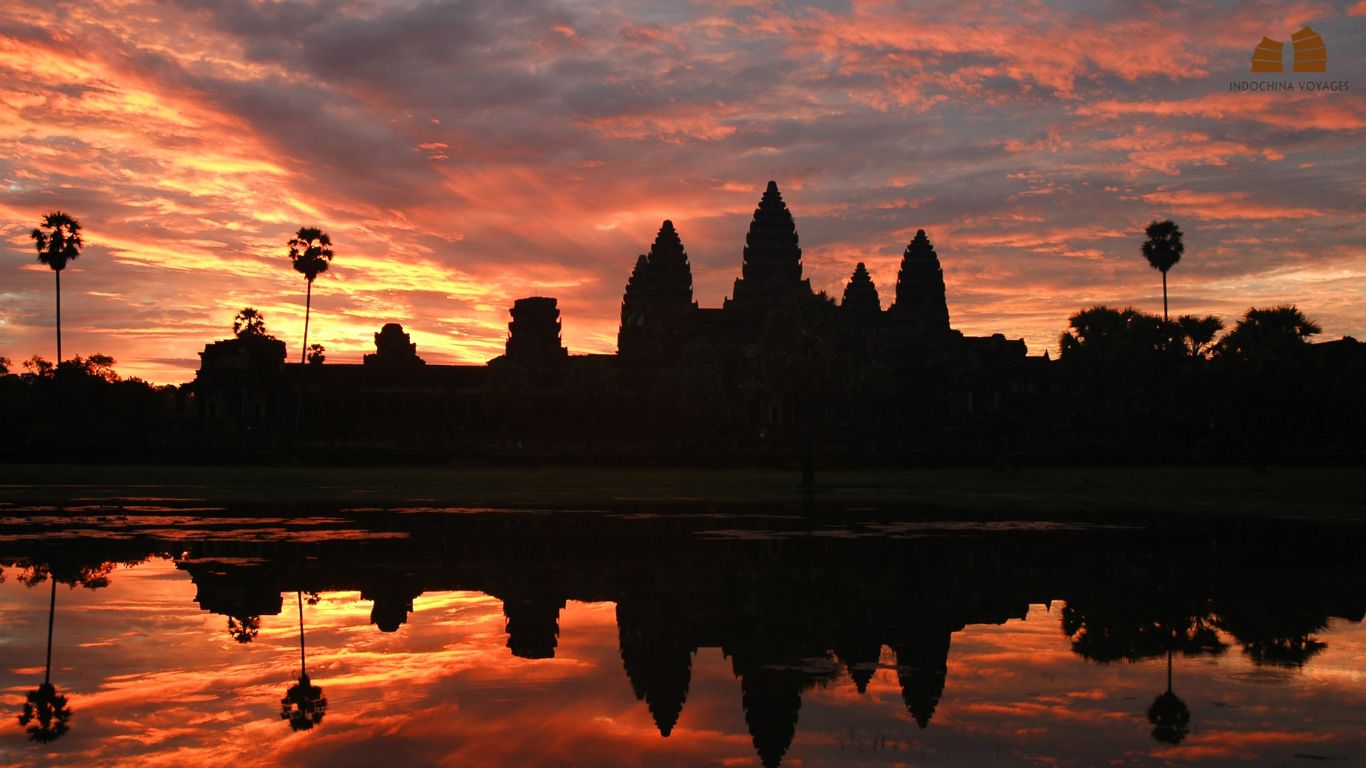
(51, 612)
(1164, 295)
(308, 309)
(303, 359)
(302, 667)
(58, 273)
(1169, 671)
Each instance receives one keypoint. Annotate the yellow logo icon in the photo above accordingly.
(1311, 55)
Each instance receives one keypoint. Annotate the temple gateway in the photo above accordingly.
(777, 371)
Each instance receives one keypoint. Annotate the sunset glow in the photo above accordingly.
(464, 154)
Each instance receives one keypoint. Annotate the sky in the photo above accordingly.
(464, 154)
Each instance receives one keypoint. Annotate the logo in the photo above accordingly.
(1311, 55)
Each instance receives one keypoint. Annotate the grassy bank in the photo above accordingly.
(1335, 492)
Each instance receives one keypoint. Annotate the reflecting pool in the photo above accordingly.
(185, 634)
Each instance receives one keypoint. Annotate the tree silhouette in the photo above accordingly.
(58, 240)
(1199, 333)
(46, 716)
(1169, 715)
(1135, 626)
(38, 368)
(1163, 249)
(97, 366)
(303, 705)
(315, 354)
(310, 251)
(1268, 355)
(1273, 622)
(1111, 351)
(244, 629)
(1269, 336)
(249, 322)
(1111, 336)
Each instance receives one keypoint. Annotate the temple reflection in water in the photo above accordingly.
(793, 603)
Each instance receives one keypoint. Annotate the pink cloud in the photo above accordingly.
(1227, 206)
(1297, 111)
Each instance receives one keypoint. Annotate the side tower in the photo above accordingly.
(860, 303)
(534, 333)
(394, 348)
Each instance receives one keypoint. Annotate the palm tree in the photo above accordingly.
(303, 705)
(1163, 249)
(45, 713)
(1268, 354)
(249, 322)
(1199, 333)
(1107, 335)
(311, 253)
(244, 629)
(1269, 335)
(58, 240)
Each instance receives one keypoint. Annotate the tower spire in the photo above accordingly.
(772, 267)
(860, 295)
(920, 303)
(657, 307)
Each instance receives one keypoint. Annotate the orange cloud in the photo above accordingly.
(1225, 206)
(1296, 111)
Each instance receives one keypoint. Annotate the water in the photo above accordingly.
(707, 636)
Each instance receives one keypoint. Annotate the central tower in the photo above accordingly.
(772, 269)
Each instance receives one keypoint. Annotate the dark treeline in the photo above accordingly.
(772, 595)
(1128, 387)
(83, 410)
(1134, 385)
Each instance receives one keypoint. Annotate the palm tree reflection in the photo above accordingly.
(303, 705)
(46, 714)
(1168, 714)
(244, 629)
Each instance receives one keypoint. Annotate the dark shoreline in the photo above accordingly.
(1334, 492)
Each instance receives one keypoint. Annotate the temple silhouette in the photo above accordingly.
(776, 369)
(778, 375)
